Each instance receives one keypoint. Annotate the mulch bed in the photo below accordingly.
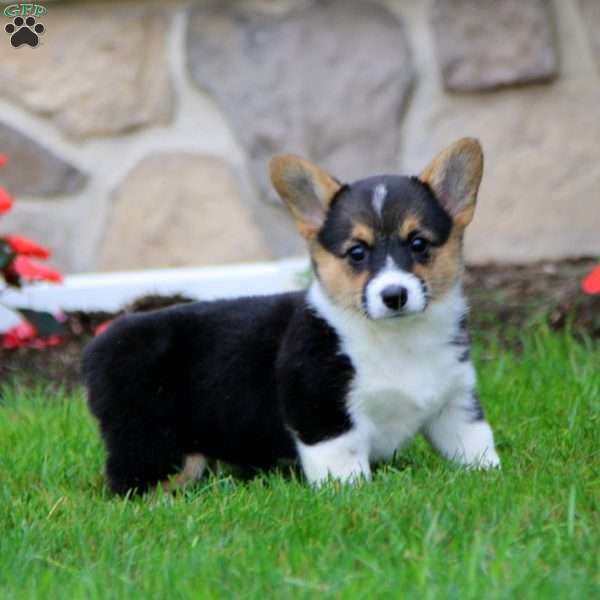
(507, 299)
(504, 300)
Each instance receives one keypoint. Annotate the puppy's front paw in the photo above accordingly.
(488, 460)
(478, 450)
(343, 459)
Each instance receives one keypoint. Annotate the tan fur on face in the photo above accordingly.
(444, 267)
(363, 233)
(411, 223)
(343, 284)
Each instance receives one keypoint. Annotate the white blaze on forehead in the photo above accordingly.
(379, 194)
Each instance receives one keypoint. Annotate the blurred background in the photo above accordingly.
(139, 132)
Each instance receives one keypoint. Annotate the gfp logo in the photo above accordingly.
(24, 29)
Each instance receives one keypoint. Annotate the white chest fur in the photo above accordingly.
(406, 368)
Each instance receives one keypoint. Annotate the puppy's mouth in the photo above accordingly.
(393, 316)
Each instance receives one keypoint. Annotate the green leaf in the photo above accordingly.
(45, 323)
(6, 255)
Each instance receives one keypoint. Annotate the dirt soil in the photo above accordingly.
(504, 301)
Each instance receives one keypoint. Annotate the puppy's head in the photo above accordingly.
(389, 245)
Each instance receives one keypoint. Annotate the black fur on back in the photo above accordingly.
(229, 379)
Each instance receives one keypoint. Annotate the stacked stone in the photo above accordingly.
(139, 136)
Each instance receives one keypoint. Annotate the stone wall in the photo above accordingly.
(139, 132)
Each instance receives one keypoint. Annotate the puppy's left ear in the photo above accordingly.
(454, 176)
(306, 190)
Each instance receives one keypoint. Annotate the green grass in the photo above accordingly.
(421, 529)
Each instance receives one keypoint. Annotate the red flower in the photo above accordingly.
(591, 284)
(6, 201)
(26, 247)
(18, 336)
(25, 335)
(40, 343)
(27, 269)
(102, 327)
(3, 160)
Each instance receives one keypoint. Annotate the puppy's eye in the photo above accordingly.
(357, 253)
(419, 245)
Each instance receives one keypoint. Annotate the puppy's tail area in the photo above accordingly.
(124, 367)
(129, 380)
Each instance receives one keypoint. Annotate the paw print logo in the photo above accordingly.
(24, 31)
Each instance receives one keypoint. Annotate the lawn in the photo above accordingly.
(421, 529)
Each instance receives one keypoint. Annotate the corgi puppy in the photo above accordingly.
(337, 377)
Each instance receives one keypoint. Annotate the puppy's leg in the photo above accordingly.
(345, 458)
(192, 471)
(460, 432)
(141, 455)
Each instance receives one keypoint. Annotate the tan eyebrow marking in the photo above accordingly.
(345, 285)
(410, 224)
(364, 233)
(441, 274)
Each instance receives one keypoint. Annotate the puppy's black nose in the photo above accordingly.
(394, 296)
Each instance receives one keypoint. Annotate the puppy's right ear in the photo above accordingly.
(306, 190)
